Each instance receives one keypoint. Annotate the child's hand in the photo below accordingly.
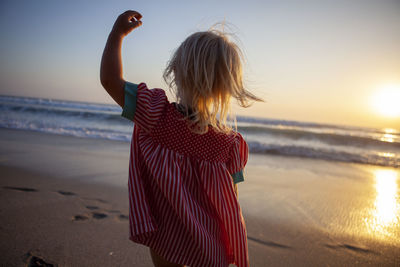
(126, 22)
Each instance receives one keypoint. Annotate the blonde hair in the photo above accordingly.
(205, 72)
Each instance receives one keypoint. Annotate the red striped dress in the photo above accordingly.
(181, 191)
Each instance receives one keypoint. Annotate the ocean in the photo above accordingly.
(264, 136)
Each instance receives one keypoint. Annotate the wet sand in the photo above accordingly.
(64, 201)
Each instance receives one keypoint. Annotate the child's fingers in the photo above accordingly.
(134, 18)
(127, 21)
(136, 24)
(133, 14)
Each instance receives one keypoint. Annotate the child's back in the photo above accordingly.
(184, 162)
(183, 203)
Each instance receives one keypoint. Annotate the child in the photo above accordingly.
(184, 162)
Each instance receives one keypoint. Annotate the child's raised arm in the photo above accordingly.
(111, 75)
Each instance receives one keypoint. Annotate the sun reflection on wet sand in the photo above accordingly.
(385, 215)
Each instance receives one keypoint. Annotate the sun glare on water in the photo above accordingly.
(386, 101)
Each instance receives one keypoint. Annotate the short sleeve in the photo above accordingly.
(143, 106)
(238, 160)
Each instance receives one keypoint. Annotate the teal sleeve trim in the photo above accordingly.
(238, 177)
(130, 90)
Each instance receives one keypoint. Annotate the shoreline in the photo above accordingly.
(283, 156)
(298, 211)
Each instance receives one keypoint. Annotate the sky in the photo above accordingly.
(313, 61)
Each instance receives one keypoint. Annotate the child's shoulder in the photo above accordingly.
(232, 136)
(153, 92)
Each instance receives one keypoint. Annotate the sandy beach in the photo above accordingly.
(64, 201)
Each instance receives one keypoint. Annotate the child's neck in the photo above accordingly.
(181, 109)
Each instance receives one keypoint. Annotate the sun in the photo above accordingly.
(386, 101)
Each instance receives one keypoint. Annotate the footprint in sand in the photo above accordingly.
(98, 212)
(120, 217)
(268, 243)
(98, 215)
(93, 215)
(23, 189)
(350, 247)
(36, 261)
(123, 217)
(80, 218)
(66, 193)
